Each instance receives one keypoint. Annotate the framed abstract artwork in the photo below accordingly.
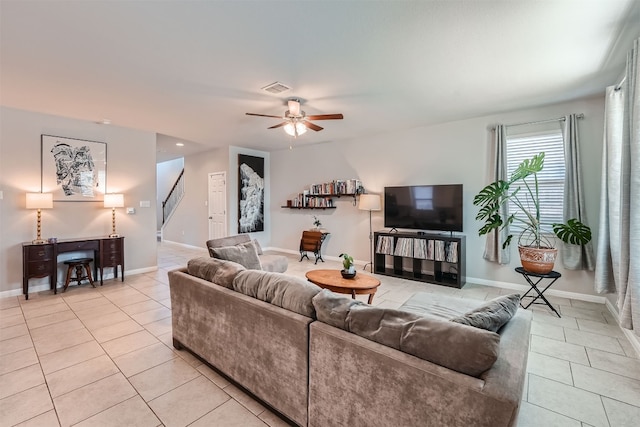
(250, 193)
(74, 170)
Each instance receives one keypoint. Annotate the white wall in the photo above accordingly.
(167, 173)
(450, 153)
(130, 170)
(189, 224)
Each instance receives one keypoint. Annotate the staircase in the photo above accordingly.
(171, 202)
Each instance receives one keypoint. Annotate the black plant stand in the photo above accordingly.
(553, 276)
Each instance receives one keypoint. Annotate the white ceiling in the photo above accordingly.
(191, 69)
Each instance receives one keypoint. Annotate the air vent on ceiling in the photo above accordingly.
(276, 87)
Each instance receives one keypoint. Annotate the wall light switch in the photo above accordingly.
(145, 204)
(1, 195)
(131, 211)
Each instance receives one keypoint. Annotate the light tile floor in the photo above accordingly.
(104, 357)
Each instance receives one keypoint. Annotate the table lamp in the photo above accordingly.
(370, 202)
(113, 201)
(39, 201)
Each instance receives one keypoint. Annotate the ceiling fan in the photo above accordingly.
(296, 122)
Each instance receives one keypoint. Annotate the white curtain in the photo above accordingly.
(617, 266)
(574, 257)
(493, 247)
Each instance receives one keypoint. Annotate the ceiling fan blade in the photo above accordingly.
(312, 126)
(279, 125)
(326, 117)
(263, 115)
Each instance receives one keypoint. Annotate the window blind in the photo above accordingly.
(550, 180)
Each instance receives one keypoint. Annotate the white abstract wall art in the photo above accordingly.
(74, 170)
(250, 193)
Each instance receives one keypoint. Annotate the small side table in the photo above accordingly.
(553, 276)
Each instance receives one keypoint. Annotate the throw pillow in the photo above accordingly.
(492, 315)
(257, 245)
(214, 270)
(288, 292)
(244, 254)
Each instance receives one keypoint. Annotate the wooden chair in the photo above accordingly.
(312, 241)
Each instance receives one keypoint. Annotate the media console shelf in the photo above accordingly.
(432, 258)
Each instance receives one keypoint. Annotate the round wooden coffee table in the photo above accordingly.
(362, 284)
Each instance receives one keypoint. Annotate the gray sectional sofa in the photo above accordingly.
(320, 359)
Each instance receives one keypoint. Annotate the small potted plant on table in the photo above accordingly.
(537, 252)
(349, 271)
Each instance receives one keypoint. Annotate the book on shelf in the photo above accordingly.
(384, 245)
(404, 247)
(420, 248)
(438, 250)
(336, 187)
(451, 249)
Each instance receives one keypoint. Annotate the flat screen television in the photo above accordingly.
(424, 207)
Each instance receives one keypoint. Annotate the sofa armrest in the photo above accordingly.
(262, 347)
(505, 380)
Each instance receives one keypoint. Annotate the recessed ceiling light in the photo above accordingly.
(180, 144)
(106, 121)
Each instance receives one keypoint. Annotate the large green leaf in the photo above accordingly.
(573, 232)
(487, 211)
(507, 241)
(528, 167)
(492, 193)
(491, 224)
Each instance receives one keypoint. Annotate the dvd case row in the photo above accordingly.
(437, 250)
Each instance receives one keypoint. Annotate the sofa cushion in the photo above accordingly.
(288, 292)
(458, 347)
(492, 315)
(333, 309)
(442, 306)
(244, 254)
(214, 270)
(274, 263)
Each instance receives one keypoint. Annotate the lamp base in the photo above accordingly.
(114, 235)
(38, 241)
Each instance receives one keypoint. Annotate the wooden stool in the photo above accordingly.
(78, 264)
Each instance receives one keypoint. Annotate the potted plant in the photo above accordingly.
(537, 252)
(349, 271)
(316, 223)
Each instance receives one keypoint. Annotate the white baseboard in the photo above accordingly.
(183, 244)
(633, 338)
(325, 257)
(553, 292)
(45, 286)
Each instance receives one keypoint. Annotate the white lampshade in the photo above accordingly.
(299, 127)
(369, 202)
(39, 200)
(114, 200)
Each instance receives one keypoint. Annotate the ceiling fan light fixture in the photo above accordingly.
(295, 129)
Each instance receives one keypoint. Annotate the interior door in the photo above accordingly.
(217, 205)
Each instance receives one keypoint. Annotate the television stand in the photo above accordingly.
(421, 256)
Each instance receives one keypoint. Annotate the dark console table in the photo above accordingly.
(41, 260)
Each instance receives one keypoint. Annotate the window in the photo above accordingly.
(550, 180)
